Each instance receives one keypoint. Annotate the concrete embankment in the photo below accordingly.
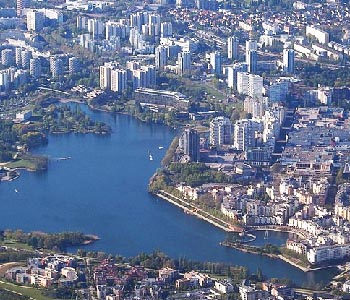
(196, 211)
(275, 256)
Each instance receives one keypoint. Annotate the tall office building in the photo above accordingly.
(118, 80)
(56, 67)
(22, 4)
(35, 67)
(35, 20)
(183, 63)
(7, 57)
(251, 55)
(232, 47)
(215, 62)
(288, 60)
(161, 57)
(190, 144)
(220, 131)
(73, 65)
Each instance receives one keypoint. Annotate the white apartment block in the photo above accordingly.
(220, 131)
(35, 20)
(249, 84)
(254, 106)
(327, 253)
(245, 132)
(321, 35)
(118, 80)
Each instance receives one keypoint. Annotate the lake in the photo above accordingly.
(102, 190)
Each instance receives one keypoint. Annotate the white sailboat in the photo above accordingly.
(266, 235)
(150, 155)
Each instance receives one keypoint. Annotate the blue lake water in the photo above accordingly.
(102, 190)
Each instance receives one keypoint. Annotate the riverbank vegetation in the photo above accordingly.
(65, 119)
(29, 162)
(17, 139)
(170, 153)
(158, 259)
(233, 241)
(192, 174)
(51, 241)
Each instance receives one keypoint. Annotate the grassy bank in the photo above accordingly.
(25, 291)
(29, 162)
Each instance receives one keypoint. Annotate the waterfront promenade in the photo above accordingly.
(198, 212)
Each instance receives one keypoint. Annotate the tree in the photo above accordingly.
(259, 274)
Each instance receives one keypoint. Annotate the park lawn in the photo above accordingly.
(22, 164)
(26, 291)
(17, 245)
(203, 85)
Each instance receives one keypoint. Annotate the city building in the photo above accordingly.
(105, 76)
(22, 4)
(161, 98)
(115, 30)
(189, 143)
(161, 57)
(144, 77)
(220, 132)
(232, 71)
(183, 63)
(321, 35)
(166, 29)
(56, 67)
(118, 80)
(215, 62)
(255, 106)
(278, 91)
(255, 86)
(35, 67)
(4, 80)
(288, 61)
(26, 55)
(249, 84)
(35, 20)
(245, 133)
(251, 55)
(95, 28)
(232, 48)
(18, 56)
(73, 65)
(7, 57)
